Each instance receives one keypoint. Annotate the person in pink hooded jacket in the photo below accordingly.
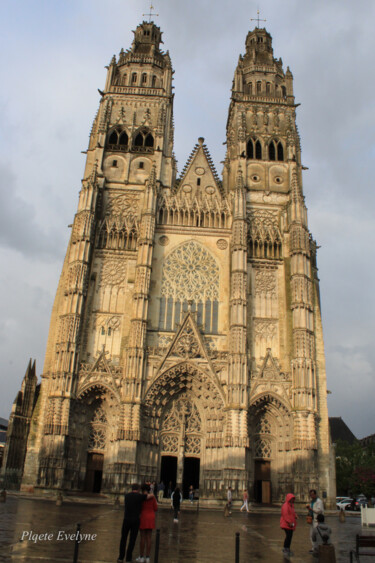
(288, 522)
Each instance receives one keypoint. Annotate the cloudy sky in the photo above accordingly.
(52, 58)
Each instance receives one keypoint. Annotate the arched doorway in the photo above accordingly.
(93, 429)
(270, 432)
(181, 444)
(95, 450)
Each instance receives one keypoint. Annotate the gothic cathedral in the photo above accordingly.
(185, 342)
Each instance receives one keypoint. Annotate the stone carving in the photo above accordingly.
(222, 244)
(182, 426)
(263, 426)
(265, 282)
(265, 329)
(123, 205)
(187, 345)
(263, 449)
(98, 430)
(113, 272)
(192, 445)
(169, 443)
(163, 240)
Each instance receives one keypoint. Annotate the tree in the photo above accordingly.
(355, 469)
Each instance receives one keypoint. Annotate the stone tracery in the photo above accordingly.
(190, 273)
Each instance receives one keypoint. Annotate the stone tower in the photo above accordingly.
(185, 341)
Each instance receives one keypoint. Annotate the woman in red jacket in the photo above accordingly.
(147, 524)
(288, 522)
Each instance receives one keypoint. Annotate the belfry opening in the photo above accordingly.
(185, 341)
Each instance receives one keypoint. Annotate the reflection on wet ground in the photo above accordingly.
(204, 536)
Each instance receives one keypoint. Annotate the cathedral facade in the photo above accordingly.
(185, 342)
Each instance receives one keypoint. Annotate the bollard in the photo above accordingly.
(76, 545)
(342, 516)
(157, 542)
(59, 499)
(237, 556)
(3, 496)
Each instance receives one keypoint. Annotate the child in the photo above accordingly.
(321, 534)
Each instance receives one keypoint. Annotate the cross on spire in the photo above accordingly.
(150, 14)
(257, 19)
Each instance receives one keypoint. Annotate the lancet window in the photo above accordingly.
(120, 233)
(264, 237)
(143, 141)
(275, 150)
(254, 149)
(208, 212)
(117, 140)
(190, 279)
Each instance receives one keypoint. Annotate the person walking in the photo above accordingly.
(228, 506)
(146, 525)
(133, 507)
(315, 507)
(288, 523)
(245, 498)
(176, 499)
(161, 489)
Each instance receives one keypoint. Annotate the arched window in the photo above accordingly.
(268, 88)
(250, 149)
(190, 274)
(259, 87)
(124, 80)
(144, 79)
(258, 150)
(117, 140)
(254, 149)
(134, 78)
(154, 81)
(275, 150)
(271, 151)
(143, 141)
(123, 139)
(280, 151)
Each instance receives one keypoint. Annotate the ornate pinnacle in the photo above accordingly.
(239, 179)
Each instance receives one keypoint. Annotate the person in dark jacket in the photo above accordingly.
(133, 507)
(176, 503)
(288, 523)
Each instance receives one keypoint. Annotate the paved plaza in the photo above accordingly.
(200, 536)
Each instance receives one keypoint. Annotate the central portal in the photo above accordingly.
(181, 444)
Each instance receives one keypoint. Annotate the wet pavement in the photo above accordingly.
(199, 536)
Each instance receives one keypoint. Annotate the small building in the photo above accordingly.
(340, 430)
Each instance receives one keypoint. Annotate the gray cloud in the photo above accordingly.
(58, 52)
